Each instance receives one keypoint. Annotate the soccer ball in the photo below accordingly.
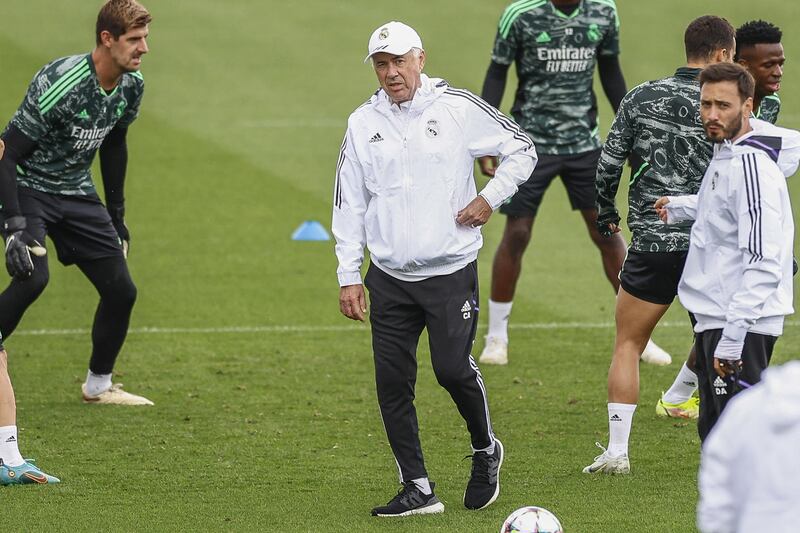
(531, 520)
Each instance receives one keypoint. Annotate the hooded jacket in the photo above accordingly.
(750, 466)
(405, 171)
(738, 273)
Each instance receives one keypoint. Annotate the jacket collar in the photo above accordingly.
(429, 91)
(687, 73)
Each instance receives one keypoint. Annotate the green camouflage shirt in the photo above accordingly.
(555, 55)
(769, 108)
(68, 114)
(658, 128)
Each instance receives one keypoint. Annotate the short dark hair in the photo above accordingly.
(706, 35)
(734, 72)
(119, 16)
(756, 32)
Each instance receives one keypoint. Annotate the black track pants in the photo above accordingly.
(715, 392)
(448, 307)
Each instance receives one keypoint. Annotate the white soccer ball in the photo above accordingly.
(532, 520)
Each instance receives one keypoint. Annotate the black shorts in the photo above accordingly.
(79, 226)
(577, 171)
(652, 276)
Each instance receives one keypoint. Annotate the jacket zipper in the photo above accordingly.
(406, 188)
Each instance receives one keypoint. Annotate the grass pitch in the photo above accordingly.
(265, 416)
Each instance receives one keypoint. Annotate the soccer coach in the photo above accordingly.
(405, 190)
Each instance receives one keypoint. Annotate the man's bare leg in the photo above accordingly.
(13, 468)
(506, 270)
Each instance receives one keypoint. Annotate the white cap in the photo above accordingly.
(393, 38)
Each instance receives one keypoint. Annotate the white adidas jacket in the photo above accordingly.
(749, 476)
(403, 175)
(738, 273)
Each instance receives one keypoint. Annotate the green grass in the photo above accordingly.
(278, 430)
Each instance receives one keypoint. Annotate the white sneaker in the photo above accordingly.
(495, 352)
(654, 355)
(605, 463)
(116, 396)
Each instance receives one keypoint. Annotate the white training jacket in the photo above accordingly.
(403, 175)
(738, 273)
(749, 476)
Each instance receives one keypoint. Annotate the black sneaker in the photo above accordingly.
(484, 482)
(410, 500)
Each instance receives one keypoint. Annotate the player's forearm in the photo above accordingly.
(495, 84)
(8, 187)
(347, 223)
(113, 166)
(762, 245)
(617, 147)
(612, 80)
(758, 283)
(607, 184)
(513, 171)
(681, 208)
(17, 148)
(350, 254)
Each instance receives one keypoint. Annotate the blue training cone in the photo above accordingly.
(310, 230)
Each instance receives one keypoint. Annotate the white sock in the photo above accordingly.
(683, 387)
(498, 319)
(9, 451)
(97, 384)
(423, 485)
(620, 417)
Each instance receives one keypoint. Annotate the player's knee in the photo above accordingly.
(449, 377)
(35, 284)
(516, 239)
(121, 292)
(391, 388)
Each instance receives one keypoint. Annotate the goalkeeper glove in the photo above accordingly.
(19, 247)
(117, 213)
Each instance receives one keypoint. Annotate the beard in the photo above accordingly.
(727, 131)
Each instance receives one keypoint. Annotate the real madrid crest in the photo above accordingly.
(384, 34)
(432, 129)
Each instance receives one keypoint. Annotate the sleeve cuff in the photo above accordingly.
(492, 198)
(734, 332)
(349, 278)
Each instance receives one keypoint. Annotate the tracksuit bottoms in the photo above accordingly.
(399, 310)
(715, 391)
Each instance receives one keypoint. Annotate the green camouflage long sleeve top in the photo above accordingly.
(769, 108)
(657, 128)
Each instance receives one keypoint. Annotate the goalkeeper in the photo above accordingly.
(74, 106)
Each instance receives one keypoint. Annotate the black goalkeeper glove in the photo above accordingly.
(19, 247)
(117, 213)
(604, 220)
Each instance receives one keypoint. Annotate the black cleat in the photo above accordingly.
(484, 482)
(410, 500)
